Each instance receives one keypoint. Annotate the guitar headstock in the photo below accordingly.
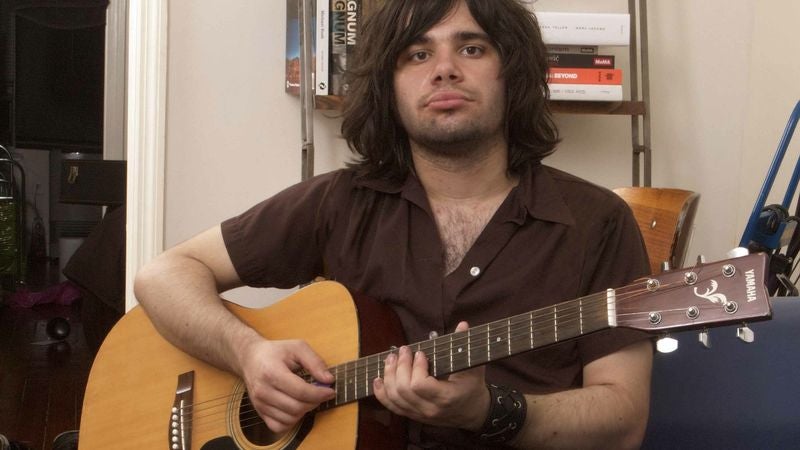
(702, 296)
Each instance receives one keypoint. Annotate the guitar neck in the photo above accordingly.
(484, 343)
(702, 296)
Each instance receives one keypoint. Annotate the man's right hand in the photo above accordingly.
(279, 395)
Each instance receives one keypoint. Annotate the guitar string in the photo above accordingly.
(525, 323)
(515, 328)
(249, 418)
(621, 297)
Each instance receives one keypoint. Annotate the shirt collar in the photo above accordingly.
(538, 194)
(410, 188)
(540, 197)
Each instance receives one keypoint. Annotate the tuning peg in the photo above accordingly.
(705, 338)
(745, 334)
(666, 344)
(701, 259)
(665, 266)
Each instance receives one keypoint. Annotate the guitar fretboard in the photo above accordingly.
(482, 344)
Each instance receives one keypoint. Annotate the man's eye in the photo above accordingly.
(418, 56)
(472, 50)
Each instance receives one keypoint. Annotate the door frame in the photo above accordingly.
(145, 125)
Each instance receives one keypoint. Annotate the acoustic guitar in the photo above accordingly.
(144, 393)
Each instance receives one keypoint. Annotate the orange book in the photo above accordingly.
(568, 75)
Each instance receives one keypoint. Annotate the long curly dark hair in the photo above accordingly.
(371, 124)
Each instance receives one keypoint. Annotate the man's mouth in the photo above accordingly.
(446, 100)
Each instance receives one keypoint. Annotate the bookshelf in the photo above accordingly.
(636, 107)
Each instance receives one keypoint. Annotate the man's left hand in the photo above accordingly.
(407, 389)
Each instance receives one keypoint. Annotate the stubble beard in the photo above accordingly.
(456, 141)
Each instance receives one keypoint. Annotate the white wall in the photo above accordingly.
(723, 81)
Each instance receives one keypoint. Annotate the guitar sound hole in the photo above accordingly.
(253, 427)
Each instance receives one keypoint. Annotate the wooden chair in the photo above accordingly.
(665, 217)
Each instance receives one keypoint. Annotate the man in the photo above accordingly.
(449, 217)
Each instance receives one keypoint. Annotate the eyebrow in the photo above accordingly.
(461, 36)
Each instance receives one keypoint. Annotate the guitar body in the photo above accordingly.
(133, 381)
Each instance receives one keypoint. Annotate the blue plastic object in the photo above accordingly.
(756, 226)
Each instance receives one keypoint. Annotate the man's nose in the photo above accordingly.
(446, 68)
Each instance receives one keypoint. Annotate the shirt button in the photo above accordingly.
(475, 271)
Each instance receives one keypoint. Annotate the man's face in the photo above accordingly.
(448, 86)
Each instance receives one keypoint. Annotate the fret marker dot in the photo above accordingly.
(475, 271)
(460, 350)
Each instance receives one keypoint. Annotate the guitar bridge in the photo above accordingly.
(180, 417)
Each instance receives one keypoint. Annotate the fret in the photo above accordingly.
(349, 387)
(451, 353)
(555, 323)
(497, 345)
(460, 352)
(469, 348)
(508, 335)
(358, 378)
(488, 356)
(434, 357)
(519, 334)
(530, 327)
(370, 362)
(597, 315)
(337, 375)
(580, 314)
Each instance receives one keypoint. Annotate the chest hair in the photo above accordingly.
(459, 225)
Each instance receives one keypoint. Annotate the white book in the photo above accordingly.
(576, 49)
(321, 50)
(587, 92)
(559, 28)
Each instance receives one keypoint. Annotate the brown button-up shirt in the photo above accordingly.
(554, 238)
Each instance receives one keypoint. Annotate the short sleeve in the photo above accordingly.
(277, 243)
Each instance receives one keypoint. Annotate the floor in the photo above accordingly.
(41, 380)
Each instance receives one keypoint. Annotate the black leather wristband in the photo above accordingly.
(507, 411)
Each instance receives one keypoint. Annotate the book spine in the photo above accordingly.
(568, 75)
(579, 49)
(353, 24)
(321, 64)
(292, 47)
(584, 28)
(580, 60)
(338, 47)
(586, 92)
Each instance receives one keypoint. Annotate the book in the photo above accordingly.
(580, 49)
(293, 48)
(338, 47)
(321, 63)
(353, 22)
(580, 60)
(569, 75)
(584, 28)
(586, 92)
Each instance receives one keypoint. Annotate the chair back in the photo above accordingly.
(665, 217)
